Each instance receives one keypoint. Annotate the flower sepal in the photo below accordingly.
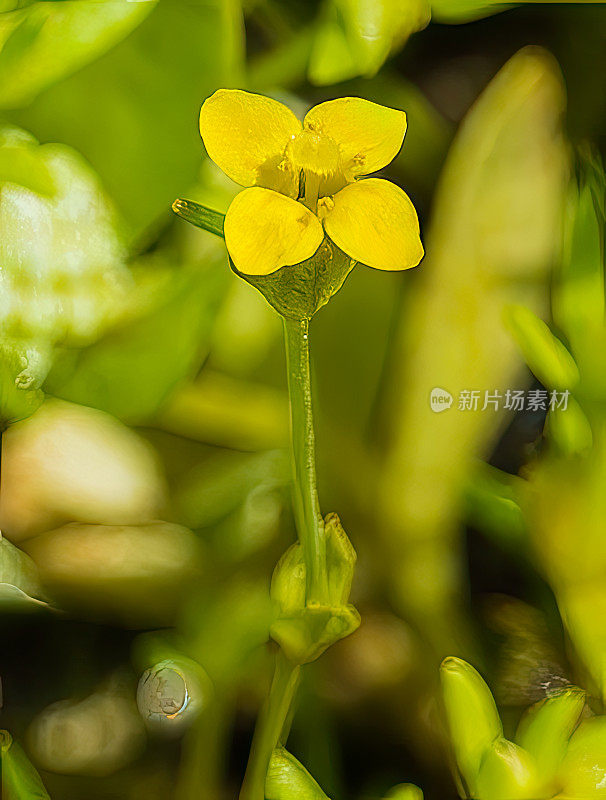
(298, 291)
(310, 631)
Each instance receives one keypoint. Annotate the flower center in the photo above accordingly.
(317, 160)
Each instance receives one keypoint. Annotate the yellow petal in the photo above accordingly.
(246, 134)
(265, 230)
(375, 223)
(369, 136)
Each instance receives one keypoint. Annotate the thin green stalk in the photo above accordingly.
(310, 525)
(270, 724)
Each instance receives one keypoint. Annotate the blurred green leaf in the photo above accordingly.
(355, 37)
(64, 276)
(227, 412)
(462, 11)
(287, 779)
(138, 106)
(465, 10)
(569, 429)
(132, 371)
(578, 294)
(200, 216)
(492, 499)
(219, 485)
(545, 354)
(20, 780)
(494, 234)
(20, 587)
(428, 134)
(42, 42)
(225, 625)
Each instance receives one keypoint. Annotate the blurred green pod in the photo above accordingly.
(583, 772)
(472, 716)
(508, 772)
(569, 429)
(544, 353)
(547, 726)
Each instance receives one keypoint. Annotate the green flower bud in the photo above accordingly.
(340, 560)
(546, 728)
(288, 582)
(508, 772)
(287, 779)
(303, 630)
(472, 716)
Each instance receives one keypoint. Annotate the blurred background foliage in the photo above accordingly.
(146, 501)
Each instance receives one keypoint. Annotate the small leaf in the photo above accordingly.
(287, 779)
(545, 354)
(46, 41)
(200, 216)
(357, 36)
(132, 370)
(492, 505)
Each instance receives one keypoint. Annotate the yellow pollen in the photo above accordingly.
(325, 204)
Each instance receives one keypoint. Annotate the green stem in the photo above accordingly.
(310, 525)
(270, 724)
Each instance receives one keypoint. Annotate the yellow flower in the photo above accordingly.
(303, 180)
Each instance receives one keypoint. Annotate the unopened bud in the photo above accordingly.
(287, 779)
(472, 716)
(304, 630)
